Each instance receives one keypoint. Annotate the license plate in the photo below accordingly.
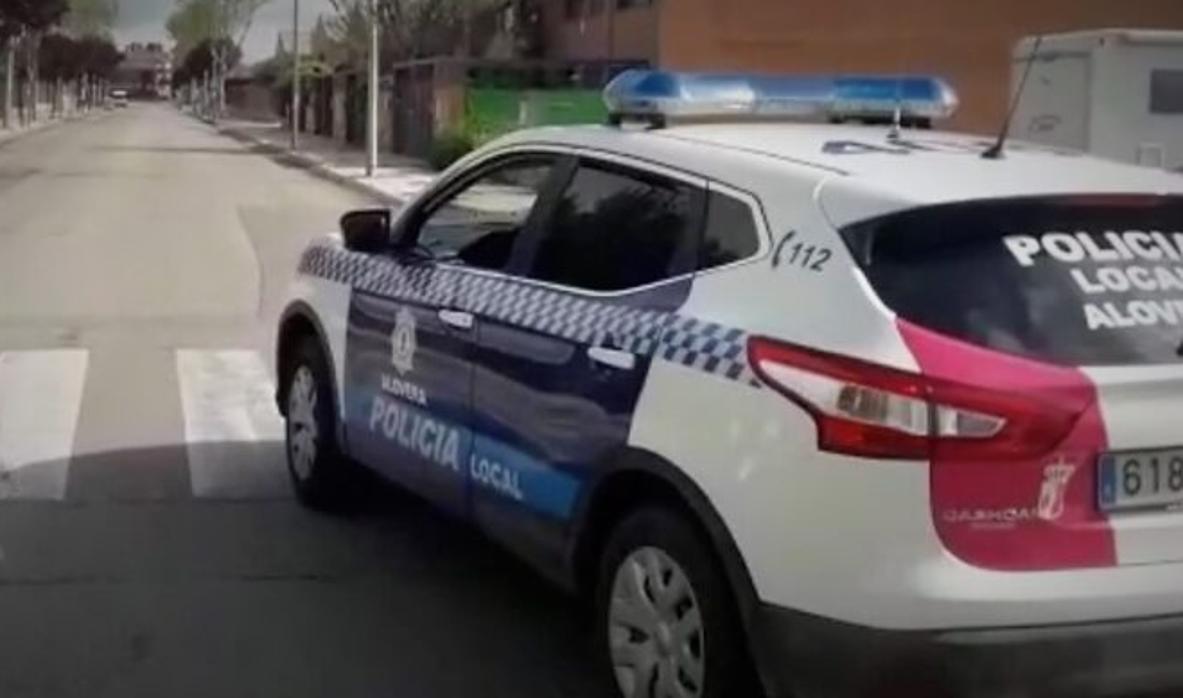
(1140, 480)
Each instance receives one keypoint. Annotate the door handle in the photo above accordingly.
(616, 358)
(456, 318)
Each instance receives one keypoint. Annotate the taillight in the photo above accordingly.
(865, 409)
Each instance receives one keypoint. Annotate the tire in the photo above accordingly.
(321, 477)
(666, 624)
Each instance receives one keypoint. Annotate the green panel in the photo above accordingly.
(494, 111)
(572, 107)
(490, 112)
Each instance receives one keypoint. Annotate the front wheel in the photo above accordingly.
(666, 620)
(320, 475)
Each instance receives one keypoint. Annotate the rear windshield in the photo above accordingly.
(1071, 280)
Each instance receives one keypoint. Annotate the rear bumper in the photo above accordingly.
(804, 655)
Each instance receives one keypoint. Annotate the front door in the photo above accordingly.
(408, 369)
(407, 382)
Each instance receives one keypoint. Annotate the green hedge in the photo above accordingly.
(448, 147)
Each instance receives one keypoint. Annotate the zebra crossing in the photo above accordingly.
(230, 431)
(40, 397)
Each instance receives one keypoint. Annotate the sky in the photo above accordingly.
(143, 20)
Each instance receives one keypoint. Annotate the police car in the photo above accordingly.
(829, 408)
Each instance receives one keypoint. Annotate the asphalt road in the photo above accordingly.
(149, 545)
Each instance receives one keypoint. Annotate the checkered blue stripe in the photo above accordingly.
(701, 345)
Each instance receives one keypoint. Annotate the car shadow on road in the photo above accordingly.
(131, 585)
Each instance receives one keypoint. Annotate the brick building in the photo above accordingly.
(969, 43)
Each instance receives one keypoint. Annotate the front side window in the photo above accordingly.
(614, 229)
(479, 225)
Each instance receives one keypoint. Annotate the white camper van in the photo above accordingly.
(1117, 93)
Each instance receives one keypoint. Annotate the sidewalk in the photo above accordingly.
(396, 181)
(8, 135)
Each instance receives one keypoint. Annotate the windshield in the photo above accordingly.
(1087, 280)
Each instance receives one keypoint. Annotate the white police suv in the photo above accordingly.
(829, 409)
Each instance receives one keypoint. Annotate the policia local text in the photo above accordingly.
(1105, 250)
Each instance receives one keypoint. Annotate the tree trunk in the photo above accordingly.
(467, 31)
(220, 83)
(30, 104)
(9, 79)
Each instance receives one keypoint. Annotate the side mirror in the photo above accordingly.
(366, 230)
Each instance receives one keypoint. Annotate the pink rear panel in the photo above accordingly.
(1030, 514)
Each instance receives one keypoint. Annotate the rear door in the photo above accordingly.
(564, 345)
(1075, 306)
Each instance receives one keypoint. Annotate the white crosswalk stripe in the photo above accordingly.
(40, 397)
(233, 432)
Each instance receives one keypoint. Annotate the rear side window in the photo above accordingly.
(730, 234)
(614, 229)
(1071, 280)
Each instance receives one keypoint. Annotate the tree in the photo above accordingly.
(100, 58)
(189, 25)
(91, 17)
(320, 41)
(200, 60)
(88, 60)
(350, 32)
(60, 57)
(58, 60)
(21, 22)
(408, 28)
(223, 23)
(29, 15)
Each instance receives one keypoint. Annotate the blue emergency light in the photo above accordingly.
(656, 96)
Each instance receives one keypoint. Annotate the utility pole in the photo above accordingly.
(295, 74)
(372, 118)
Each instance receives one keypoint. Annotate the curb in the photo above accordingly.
(312, 165)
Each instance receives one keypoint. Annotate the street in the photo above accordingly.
(149, 544)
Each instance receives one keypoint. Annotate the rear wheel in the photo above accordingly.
(321, 477)
(665, 619)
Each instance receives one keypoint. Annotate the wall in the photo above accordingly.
(968, 43)
(247, 99)
(630, 33)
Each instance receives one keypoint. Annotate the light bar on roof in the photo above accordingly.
(657, 95)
